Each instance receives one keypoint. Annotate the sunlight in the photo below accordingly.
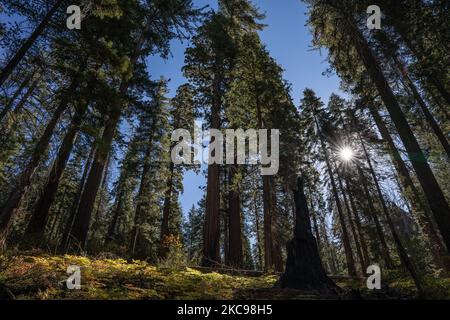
(346, 153)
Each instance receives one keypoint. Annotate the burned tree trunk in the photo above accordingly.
(304, 269)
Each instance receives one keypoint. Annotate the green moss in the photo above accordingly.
(38, 276)
(43, 277)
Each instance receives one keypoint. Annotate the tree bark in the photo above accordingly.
(211, 229)
(235, 254)
(167, 209)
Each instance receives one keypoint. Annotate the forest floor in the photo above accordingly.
(42, 276)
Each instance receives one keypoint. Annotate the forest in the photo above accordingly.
(88, 180)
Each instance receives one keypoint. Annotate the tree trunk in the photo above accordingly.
(167, 209)
(400, 248)
(34, 234)
(426, 112)
(422, 212)
(113, 225)
(80, 227)
(362, 239)
(12, 64)
(345, 238)
(211, 229)
(430, 186)
(304, 269)
(352, 227)
(235, 254)
(10, 207)
(68, 228)
(258, 232)
(7, 127)
(16, 94)
(389, 264)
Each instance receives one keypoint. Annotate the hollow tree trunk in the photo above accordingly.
(13, 63)
(304, 269)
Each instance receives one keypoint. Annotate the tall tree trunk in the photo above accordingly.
(304, 269)
(113, 225)
(141, 200)
(426, 112)
(432, 74)
(235, 254)
(167, 210)
(357, 218)
(389, 264)
(11, 205)
(258, 231)
(80, 227)
(73, 211)
(272, 249)
(211, 229)
(103, 187)
(422, 212)
(34, 234)
(13, 63)
(430, 186)
(345, 237)
(352, 227)
(400, 248)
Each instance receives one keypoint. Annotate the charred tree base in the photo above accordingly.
(304, 269)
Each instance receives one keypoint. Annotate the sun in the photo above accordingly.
(346, 154)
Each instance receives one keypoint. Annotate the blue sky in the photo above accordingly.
(288, 41)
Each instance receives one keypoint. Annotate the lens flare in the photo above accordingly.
(346, 153)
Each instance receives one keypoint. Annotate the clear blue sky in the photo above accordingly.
(288, 41)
